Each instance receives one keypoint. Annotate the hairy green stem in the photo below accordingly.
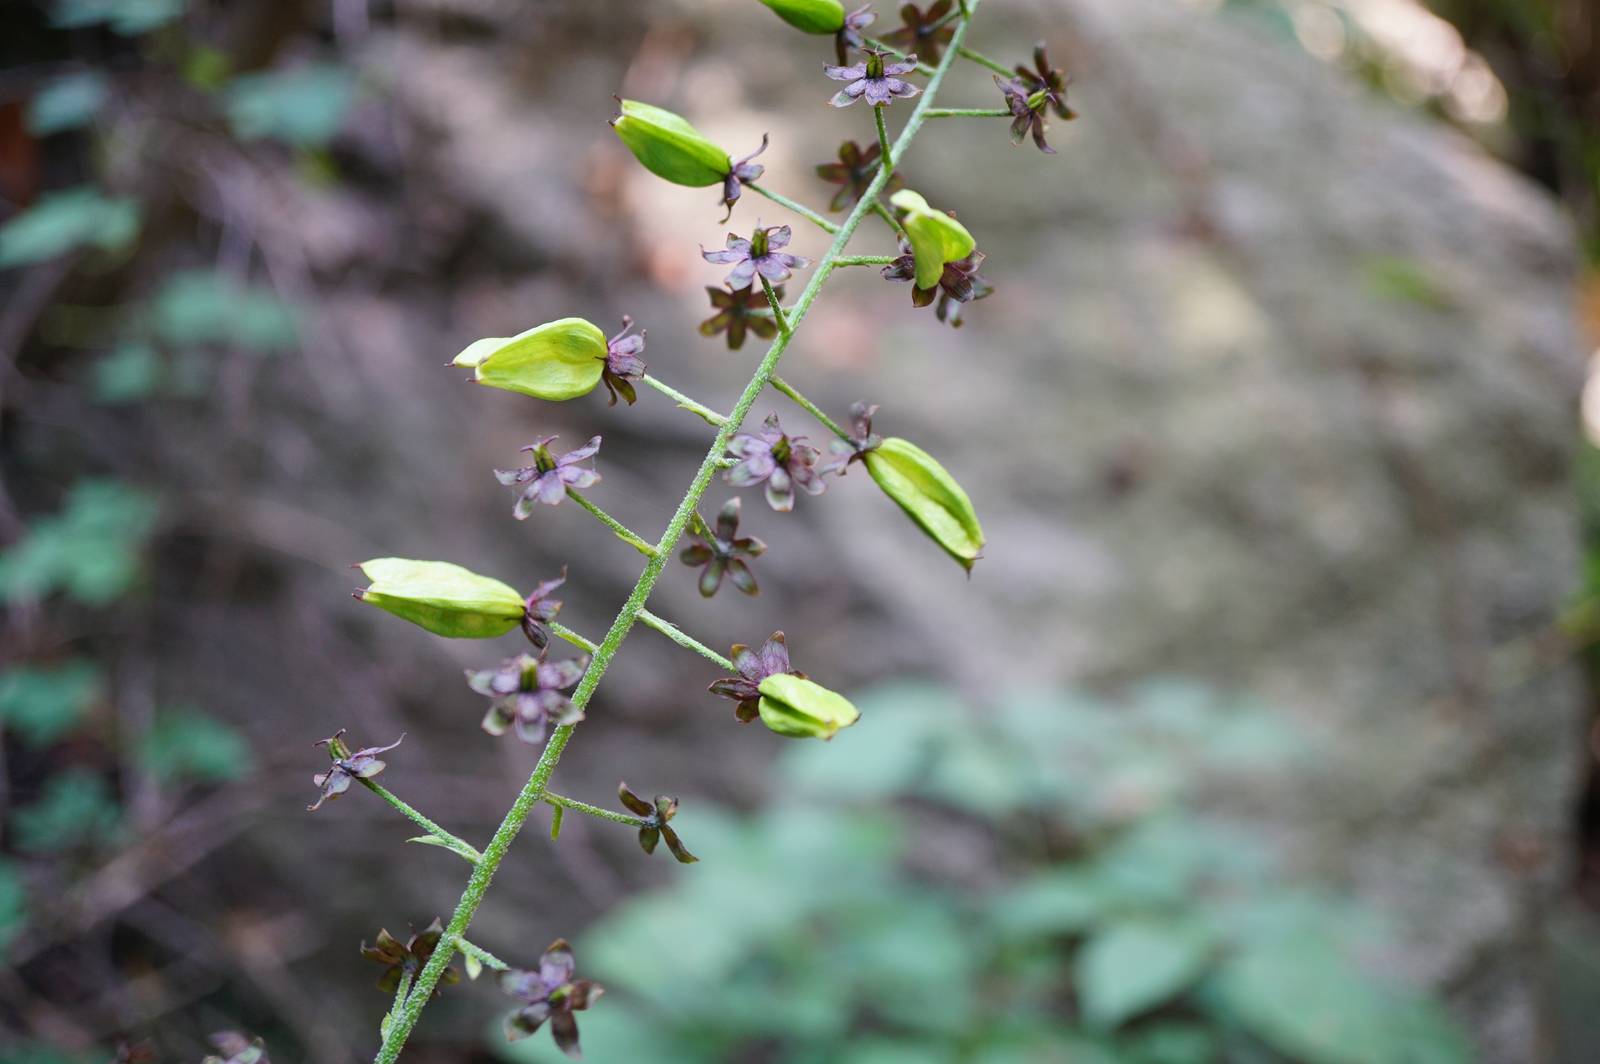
(563, 802)
(624, 533)
(777, 308)
(400, 993)
(864, 260)
(885, 150)
(683, 639)
(561, 631)
(707, 414)
(453, 842)
(481, 955)
(799, 208)
(532, 791)
(806, 404)
(984, 61)
(888, 216)
(969, 112)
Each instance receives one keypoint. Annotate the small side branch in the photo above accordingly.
(683, 639)
(885, 152)
(708, 415)
(968, 112)
(481, 955)
(799, 208)
(777, 309)
(622, 531)
(806, 404)
(446, 839)
(561, 631)
(984, 61)
(864, 260)
(888, 216)
(562, 802)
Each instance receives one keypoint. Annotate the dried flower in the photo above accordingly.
(655, 826)
(1031, 94)
(623, 364)
(1048, 80)
(442, 598)
(849, 35)
(525, 692)
(754, 666)
(743, 170)
(733, 315)
(759, 254)
(347, 766)
(550, 993)
(782, 461)
(959, 282)
(549, 477)
(874, 79)
(410, 957)
(862, 439)
(540, 610)
(234, 1048)
(924, 32)
(719, 552)
(854, 171)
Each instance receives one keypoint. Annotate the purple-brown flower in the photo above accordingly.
(1046, 79)
(734, 318)
(550, 476)
(878, 82)
(760, 254)
(854, 171)
(721, 552)
(924, 32)
(783, 462)
(550, 993)
(654, 823)
(754, 666)
(410, 957)
(960, 283)
(525, 693)
(541, 610)
(743, 170)
(623, 364)
(849, 35)
(862, 439)
(347, 767)
(1031, 95)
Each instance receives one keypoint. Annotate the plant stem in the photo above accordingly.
(532, 791)
(811, 408)
(984, 61)
(707, 414)
(400, 993)
(885, 152)
(864, 260)
(969, 112)
(777, 310)
(683, 639)
(459, 845)
(799, 208)
(623, 532)
(483, 956)
(563, 632)
(563, 802)
(888, 216)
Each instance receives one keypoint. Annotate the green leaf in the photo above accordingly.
(89, 551)
(128, 374)
(126, 17)
(1135, 965)
(1171, 1043)
(13, 904)
(64, 221)
(74, 809)
(41, 704)
(901, 727)
(1061, 901)
(67, 103)
(302, 106)
(197, 307)
(185, 744)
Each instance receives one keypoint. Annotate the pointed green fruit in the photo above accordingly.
(929, 495)
(557, 360)
(669, 146)
(445, 599)
(794, 706)
(936, 238)
(810, 16)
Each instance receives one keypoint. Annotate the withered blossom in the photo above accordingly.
(655, 826)
(550, 476)
(623, 364)
(753, 667)
(743, 170)
(231, 1048)
(862, 439)
(1046, 79)
(733, 315)
(541, 609)
(410, 957)
(854, 171)
(783, 462)
(347, 767)
(1031, 95)
(549, 993)
(878, 82)
(525, 694)
(959, 283)
(721, 552)
(760, 254)
(849, 35)
(924, 32)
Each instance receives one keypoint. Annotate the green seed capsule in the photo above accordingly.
(794, 706)
(670, 147)
(929, 495)
(936, 238)
(810, 16)
(445, 599)
(557, 360)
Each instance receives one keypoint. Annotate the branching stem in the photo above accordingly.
(885, 150)
(777, 309)
(984, 61)
(808, 406)
(624, 533)
(481, 955)
(683, 639)
(459, 845)
(710, 416)
(799, 208)
(968, 112)
(563, 802)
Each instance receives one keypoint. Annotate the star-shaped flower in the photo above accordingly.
(734, 318)
(760, 254)
(655, 825)
(721, 552)
(541, 610)
(742, 170)
(924, 32)
(410, 957)
(525, 693)
(754, 666)
(862, 439)
(959, 283)
(849, 35)
(874, 79)
(854, 171)
(623, 364)
(783, 462)
(1047, 79)
(550, 993)
(347, 767)
(550, 476)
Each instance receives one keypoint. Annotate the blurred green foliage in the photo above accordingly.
(67, 103)
(127, 17)
(40, 704)
(185, 744)
(76, 809)
(90, 551)
(65, 221)
(198, 307)
(300, 106)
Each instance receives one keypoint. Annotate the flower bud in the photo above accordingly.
(669, 146)
(929, 495)
(936, 238)
(445, 599)
(810, 16)
(557, 360)
(795, 706)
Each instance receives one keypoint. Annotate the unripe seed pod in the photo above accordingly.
(801, 709)
(810, 16)
(557, 360)
(929, 495)
(445, 599)
(936, 238)
(670, 147)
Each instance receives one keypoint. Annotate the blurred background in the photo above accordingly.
(1262, 733)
